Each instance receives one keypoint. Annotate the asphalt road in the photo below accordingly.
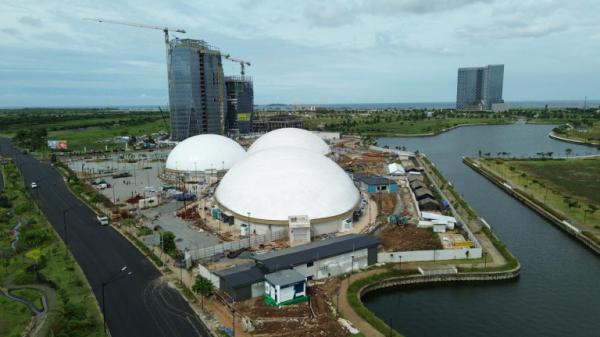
(138, 304)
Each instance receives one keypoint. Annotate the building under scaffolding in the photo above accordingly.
(271, 123)
(196, 88)
(240, 104)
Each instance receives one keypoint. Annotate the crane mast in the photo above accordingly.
(240, 61)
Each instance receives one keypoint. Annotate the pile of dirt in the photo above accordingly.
(314, 318)
(134, 200)
(190, 213)
(406, 238)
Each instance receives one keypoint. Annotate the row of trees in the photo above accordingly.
(32, 139)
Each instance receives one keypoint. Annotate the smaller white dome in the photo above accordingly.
(290, 137)
(205, 152)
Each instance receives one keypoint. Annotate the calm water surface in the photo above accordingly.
(558, 293)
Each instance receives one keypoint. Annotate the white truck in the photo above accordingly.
(103, 220)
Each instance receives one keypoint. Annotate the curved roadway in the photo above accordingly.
(138, 305)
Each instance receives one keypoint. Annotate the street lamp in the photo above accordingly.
(65, 211)
(249, 242)
(115, 277)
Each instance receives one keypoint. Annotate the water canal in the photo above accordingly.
(558, 293)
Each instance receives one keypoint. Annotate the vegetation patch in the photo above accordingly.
(40, 257)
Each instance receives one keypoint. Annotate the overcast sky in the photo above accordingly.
(301, 51)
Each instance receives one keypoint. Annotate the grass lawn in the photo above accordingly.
(96, 138)
(41, 258)
(14, 317)
(398, 127)
(31, 295)
(569, 186)
(591, 135)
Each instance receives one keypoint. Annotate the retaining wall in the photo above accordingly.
(559, 222)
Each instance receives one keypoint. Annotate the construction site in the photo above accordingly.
(382, 208)
(273, 219)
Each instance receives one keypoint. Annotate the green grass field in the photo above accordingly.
(96, 138)
(41, 258)
(392, 125)
(31, 295)
(590, 134)
(14, 317)
(569, 186)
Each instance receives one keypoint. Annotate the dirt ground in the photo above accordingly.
(404, 238)
(314, 318)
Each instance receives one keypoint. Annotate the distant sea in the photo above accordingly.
(435, 105)
(365, 106)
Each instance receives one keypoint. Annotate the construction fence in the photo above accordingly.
(254, 240)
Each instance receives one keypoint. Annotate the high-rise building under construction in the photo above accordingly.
(240, 104)
(196, 88)
(480, 88)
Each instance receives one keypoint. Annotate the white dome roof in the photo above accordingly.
(205, 152)
(290, 137)
(276, 183)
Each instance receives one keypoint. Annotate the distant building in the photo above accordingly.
(196, 88)
(240, 104)
(277, 122)
(480, 88)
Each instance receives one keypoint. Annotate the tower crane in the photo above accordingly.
(166, 30)
(241, 62)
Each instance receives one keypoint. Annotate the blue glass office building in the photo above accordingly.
(478, 88)
(196, 89)
(240, 104)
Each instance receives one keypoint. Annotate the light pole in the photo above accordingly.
(249, 233)
(65, 211)
(115, 277)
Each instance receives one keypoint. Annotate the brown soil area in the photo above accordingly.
(386, 202)
(403, 238)
(294, 320)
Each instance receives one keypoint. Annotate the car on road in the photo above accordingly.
(34, 185)
(103, 220)
(122, 175)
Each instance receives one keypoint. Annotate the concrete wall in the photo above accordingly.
(204, 272)
(336, 265)
(429, 255)
(316, 229)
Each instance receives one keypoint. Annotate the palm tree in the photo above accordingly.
(568, 151)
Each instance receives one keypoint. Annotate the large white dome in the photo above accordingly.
(205, 152)
(275, 183)
(290, 137)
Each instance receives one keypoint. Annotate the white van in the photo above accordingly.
(103, 220)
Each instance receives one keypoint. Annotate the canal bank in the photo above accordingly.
(557, 292)
(553, 217)
(504, 266)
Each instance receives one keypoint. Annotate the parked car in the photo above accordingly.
(103, 220)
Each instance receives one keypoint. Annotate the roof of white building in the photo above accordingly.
(205, 152)
(276, 183)
(293, 137)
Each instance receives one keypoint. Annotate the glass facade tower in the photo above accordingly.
(196, 89)
(479, 87)
(240, 104)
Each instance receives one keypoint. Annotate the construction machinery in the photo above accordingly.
(240, 61)
(166, 30)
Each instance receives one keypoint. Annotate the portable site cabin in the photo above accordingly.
(285, 287)
(417, 184)
(424, 193)
(374, 184)
(395, 169)
(428, 204)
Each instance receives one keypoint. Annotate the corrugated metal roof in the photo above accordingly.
(376, 180)
(290, 257)
(242, 275)
(285, 277)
